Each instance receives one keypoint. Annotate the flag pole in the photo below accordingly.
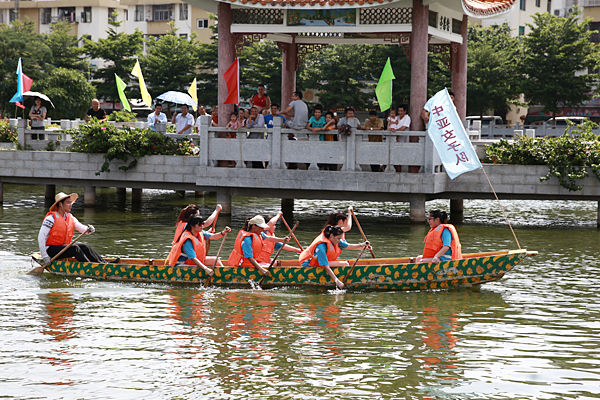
(502, 208)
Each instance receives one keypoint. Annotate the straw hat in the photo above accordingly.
(61, 196)
(258, 221)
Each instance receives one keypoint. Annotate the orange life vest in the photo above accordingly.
(62, 230)
(178, 231)
(199, 248)
(267, 250)
(433, 242)
(333, 252)
(236, 258)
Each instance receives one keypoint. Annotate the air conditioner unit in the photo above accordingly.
(557, 13)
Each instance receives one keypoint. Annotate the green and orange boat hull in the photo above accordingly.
(375, 274)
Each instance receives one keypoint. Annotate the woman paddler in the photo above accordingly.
(270, 247)
(190, 249)
(340, 219)
(442, 242)
(325, 250)
(184, 216)
(249, 245)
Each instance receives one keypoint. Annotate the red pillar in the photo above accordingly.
(459, 73)
(226, 57)
(419, 42)
(289, 59)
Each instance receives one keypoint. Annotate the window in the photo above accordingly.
(538, 3)
(13, 15)
(456, 25)
(183, 35)
(126, 15)
(66, 14)
(521, 30)
(112, 15)
(433, 19)
(522, 5)
(46, 16)
(139, 13)
(162, 12)
(549, 6)
(201, 23)
(183, 11)
(86, 15)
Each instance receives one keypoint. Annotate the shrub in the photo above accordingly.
(122, 116)
(125, 144)
(8, 134)
(568, 157)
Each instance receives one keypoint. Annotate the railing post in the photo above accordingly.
(429, 156)
(204, 124)
(276, 144)
(350, 164)
(21, 132)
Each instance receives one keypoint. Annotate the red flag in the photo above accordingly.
(232, 78)
(18, 104)
(27, 81)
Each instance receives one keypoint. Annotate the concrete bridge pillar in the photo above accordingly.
(136, 196)
(121, 194)
(419, 43)
(226, 52)
(224, 199)
(417, 208)
(1, 191)
(456, 211)
(49, 192)
(287, 206)
(199, 193)
(181, 193)
(89, 196)
(598, 222)
(459, 72)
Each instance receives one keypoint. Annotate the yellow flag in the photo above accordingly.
(193, 91)
(137, 71)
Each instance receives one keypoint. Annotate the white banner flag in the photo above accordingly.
(449, 137)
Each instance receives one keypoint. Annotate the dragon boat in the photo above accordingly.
(375, 274)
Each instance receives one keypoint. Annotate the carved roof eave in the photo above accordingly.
(487, 9)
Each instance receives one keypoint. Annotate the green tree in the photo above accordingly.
(400, 66)
(554, 52)
(206, 76)
(66, 52)
(70, 92)
(119, 52)
(261, 65)
(493, 82)
(339, 71)
(19, 40)
(170, 63)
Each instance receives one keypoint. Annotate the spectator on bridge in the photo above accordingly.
(349, 116)
(296, 113)
(201, 112)
(260, 100)
(183, 121)
(274, 112)
(233, 122)
(214, 116)
(242, 117)
(38, 114)
(96, 112)
(317, 121)
(157, 117)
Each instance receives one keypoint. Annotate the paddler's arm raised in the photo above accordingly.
(347, 225)
(212, 217)
(220, 234)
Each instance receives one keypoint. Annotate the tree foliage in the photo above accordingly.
(119, 52)
(555, 51)
(70, 92)
(493, 78)
(260, 64)
(65, 49)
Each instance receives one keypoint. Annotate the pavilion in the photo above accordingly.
(301, 27)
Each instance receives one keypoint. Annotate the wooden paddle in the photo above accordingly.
(277, 255)
(40, 270)
(294, 236)
(360, 229)
(212, 230)
(209, 279)
(355, 262)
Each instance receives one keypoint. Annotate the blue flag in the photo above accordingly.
(18, 97)
(449, 137)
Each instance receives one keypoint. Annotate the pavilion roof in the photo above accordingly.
(473, 8)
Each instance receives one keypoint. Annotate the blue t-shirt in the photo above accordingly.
(269, 120)
(188, 248)
(247, 245)
(317, 123)
(447, 240)
(321, 253)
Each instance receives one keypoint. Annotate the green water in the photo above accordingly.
(532, 335)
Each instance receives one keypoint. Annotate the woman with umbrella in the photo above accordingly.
(37, 114)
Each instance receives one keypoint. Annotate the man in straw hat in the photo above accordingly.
(57, 231)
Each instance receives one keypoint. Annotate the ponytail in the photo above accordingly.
(331, 230)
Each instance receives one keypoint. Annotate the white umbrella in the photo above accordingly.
(33, 95)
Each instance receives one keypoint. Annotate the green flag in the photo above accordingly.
(120, 87)
(384, 87)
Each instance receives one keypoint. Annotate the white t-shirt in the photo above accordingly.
(404, 122)
(181, 122)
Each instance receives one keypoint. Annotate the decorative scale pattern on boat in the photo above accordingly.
(445, 275)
